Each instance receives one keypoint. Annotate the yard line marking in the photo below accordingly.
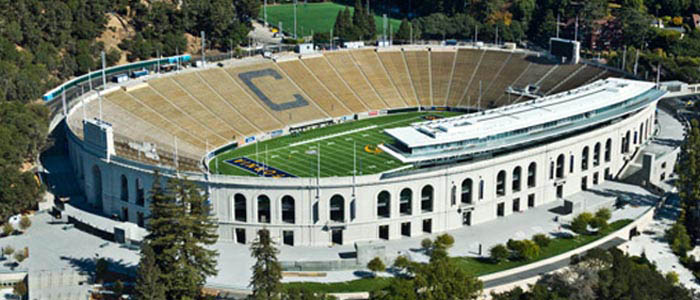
(333, 135)
(331, 143)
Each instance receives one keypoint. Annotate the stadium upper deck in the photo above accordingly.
(521, 123)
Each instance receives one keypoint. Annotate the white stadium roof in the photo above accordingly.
(587, 98)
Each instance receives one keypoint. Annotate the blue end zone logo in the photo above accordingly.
(248, 77)
(258, 168)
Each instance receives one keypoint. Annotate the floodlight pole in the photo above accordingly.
(203, 50)
(63, 100)
(265, 13)
(295, 19)
(558, 25)
(636, 63)
(624, 58)
(90, 78)
(104, 76)
(384, 20)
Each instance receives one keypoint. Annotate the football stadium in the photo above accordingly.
(353, 145)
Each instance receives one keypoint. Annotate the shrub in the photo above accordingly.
(426, 243)
(541, 240)
(19, 256)
(401, 262)
(25, 223)
(599, 223)
(603, 213)
(524, 249)
(8, 250)
(679, 240)
(672, 278)
(376, 265)
(445, 241)
(580, 223)
(7, 229)
(499, 253)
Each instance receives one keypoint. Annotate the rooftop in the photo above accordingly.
(587, 98)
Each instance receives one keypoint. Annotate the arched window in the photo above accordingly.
(626, 142)
(560, 166)
(140, 195)
(584, 159)
(288, 211)
(239, 208)
(406, 202)
(532, 175)
(337, 209)
(517, 172)
(481, 189)
(426, 198)
(467, 186)
(264, 214)
(551, 170)
(608, 149)
(124, 196)
(384, 204)
(596, 155)
(646, 132)
(641, 133)
(97, 185)
(501, 183)
(453, 194)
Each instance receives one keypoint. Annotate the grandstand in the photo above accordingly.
(201, 110)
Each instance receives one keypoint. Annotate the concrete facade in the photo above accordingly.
(102, 178)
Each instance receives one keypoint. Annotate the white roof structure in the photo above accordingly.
(584, 99)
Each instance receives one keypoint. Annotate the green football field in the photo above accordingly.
(297, 155)
(312, 17)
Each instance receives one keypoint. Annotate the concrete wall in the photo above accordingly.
(364, 224)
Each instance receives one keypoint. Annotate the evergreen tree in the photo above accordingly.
(267, 271)
(688, 170)
(148, 286)
(359, 21)
(371, 26)
(404, 33)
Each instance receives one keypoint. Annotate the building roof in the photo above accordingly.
(587, 98)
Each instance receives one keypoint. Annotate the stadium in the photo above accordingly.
(354, 145)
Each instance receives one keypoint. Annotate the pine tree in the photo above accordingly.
(148, 286)
(688, 170)
(359, 21)
(202, 227)
(338, 27)
(267, 271)
(371, 26)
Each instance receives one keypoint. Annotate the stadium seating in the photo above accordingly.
(312, 87)
(488, 71)
(280, 91)
(587, 73)
(395, 65)
(373, 69)
(557, 76)
(199, 90)
(328, 76)
(441, 63)
(512, 69)
(465, 64)
(224, 86)
(348, 70)
(418, 63)
(536, 70)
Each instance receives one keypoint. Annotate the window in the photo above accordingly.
(239, 210)
(663, 176)
(635, 138)
(501, 209)
(571, 163)
(140, 195)
(384, 205)
(531, 200)
(453, 194)
(240, 235)
(560, 166)
(516, 204)
(406, 229)
(288, 210)
(584, 183)
(607, 173)
(125, 214)
(352, 210)
(626, 142)
(467, 191)
(481, 189)
(263, 209)
(531, 175)
(125, 189)
(139, 219)
(595, 178)
(596, 155)
(384, 232)
(288, 237)
(641, 133)
(501, 183)
(663, 165)
(337, 209)
(608, 147)
(428, 225)
(516, 179)
(426, 199)
(584, 159)
(551, 170)
(406, 202)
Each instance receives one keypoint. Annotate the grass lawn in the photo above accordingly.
(300, 160)
(316, 17)
(476, 266)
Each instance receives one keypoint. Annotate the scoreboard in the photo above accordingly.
(566, 50)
